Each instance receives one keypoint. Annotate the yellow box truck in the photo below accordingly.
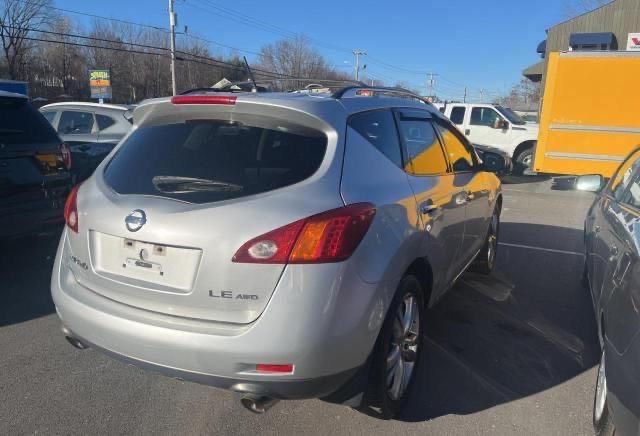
(590, 117)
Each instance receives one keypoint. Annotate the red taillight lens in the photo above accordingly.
(327, 237)
(66, 155)
(71, 209)
(204, 99)
(271, 368)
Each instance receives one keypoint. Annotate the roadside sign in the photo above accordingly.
(100, 83)
(633, 43)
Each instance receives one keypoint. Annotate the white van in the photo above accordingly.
(495, 126)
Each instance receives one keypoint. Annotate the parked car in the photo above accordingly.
(34, 169)
(279, 245)
(612, 271)
(495, 126)
(90, 129)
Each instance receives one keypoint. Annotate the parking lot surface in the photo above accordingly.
(512, 353)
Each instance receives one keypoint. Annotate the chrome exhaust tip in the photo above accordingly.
(258, 404)
(77, 343)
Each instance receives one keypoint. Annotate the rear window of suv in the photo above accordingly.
(209, 161)
(21, 124)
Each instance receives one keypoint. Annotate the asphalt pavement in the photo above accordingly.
(512, 353)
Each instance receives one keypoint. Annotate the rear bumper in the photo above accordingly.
(280, 389)
(327, 335)
(35, 213)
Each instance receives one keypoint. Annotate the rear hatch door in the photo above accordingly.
(162, 222)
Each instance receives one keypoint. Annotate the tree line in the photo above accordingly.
(54, 54)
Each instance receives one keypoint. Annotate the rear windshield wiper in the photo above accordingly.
(183, 185)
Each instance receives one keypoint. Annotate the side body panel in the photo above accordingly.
(589, 119)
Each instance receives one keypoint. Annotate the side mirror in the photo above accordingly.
(590, 183)
(493, 162)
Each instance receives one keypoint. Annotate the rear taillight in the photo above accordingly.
(71, 209)
(204, 99)
(327, 237)
(65, 152)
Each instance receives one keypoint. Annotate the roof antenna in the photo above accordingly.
(253, 80)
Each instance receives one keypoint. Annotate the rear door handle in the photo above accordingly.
(428, 207)
(467, 132)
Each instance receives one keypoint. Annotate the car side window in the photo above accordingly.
(632, 197)
(104, 121)
(75, 123)
(460, 155)
(379, 128)
(49, 116)
(457, 115)
(484, 116)
(620, 181)
(423, 151)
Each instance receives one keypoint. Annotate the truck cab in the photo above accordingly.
(495, 126)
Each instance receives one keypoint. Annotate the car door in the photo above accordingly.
(601, 225)
(437, 197)
(470, 186)
(487, 127)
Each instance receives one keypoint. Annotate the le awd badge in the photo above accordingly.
(230, 295)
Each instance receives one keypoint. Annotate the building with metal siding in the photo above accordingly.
(605, 28)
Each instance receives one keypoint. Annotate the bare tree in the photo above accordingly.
(17, 21)
(296, 58)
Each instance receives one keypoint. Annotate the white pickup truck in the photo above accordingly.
(495, 126)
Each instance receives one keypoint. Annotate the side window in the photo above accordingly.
(104, 121)
(460, 156)
(379, 128)
(422, 148)
(620, 182)
(72, 122)
(49, 116)
(633, 195)
(484, 116)
(457, 115)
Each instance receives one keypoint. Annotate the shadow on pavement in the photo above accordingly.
(525, 329)
(26, 272)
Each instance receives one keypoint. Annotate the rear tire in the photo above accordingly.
(524, 161)
(397, 352)
(485, 263)
(602, 422)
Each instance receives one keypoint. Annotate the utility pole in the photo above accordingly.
(172, 28)
(357, 54)
(430, 83)
(481, 95)
(464, 100)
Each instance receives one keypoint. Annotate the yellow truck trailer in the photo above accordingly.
(590, 116)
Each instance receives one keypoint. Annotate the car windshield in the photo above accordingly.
(513, 117)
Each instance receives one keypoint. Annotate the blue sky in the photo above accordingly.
(480, 44)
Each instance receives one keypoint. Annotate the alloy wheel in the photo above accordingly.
(404, 345)
(601, 392)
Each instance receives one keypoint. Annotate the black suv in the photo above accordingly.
(34, 169)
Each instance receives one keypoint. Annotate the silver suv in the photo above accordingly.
(279, 245)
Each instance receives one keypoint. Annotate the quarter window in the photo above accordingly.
(378, 127)
(457, 115)
(104, 121)
(484, 116)
(49, 116)
(76, 123)
(422, 148)
(459, 154)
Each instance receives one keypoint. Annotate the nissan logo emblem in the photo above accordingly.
(135, 220)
